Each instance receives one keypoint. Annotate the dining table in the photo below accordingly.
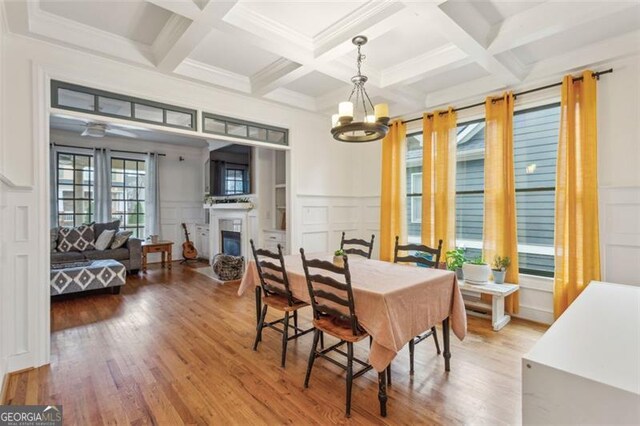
(393, 302)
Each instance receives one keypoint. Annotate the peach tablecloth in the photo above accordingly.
(393, 302)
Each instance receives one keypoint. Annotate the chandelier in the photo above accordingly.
(358, 120)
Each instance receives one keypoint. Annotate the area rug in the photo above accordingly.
(208, 271)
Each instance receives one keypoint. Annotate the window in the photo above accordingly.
(234, 181)
(535, 136)
(470, 187)
(85, 99)
(218, 124)
(128, 194)
(74, 189)
(535, 139)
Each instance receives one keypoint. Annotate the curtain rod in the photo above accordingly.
(595, 75)
(113, 150)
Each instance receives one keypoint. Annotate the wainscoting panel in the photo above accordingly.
(172, 215)
(21, 271)
(21, 223)
(620, 234)
(315, 242)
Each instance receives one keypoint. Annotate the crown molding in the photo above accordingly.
(171, 32)
(277, 74)
(214, 75)
(65, 30)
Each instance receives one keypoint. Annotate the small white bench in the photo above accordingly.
(497, 292)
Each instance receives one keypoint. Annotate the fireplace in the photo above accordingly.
(230, 242)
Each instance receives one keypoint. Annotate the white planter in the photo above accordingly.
(476, 274)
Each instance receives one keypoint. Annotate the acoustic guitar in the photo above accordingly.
(189, 251)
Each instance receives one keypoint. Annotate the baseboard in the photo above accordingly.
(538, 315)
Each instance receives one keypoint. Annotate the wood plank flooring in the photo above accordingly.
(175, 348)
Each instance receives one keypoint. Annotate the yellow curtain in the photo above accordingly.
(577, 248)
(439, 179)
(500, 235)
(393, 196)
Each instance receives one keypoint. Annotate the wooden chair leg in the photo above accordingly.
(312, 356)
(412, 346)
(295, 321)
(349, 376)
(435, 339)
(321, 339)
(260, 326)
(389, 375)
(285, 339)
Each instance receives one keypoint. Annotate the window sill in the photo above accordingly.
(536, 283)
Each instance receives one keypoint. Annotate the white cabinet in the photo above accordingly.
(273, 237)
(201, 240)
(586, 367)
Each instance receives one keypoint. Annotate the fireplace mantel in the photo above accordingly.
(229, 206)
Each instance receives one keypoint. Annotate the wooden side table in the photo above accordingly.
(498, 292)
(163, 247)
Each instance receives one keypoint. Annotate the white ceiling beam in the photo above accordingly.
(459, 36)
(548, 19)
(188, 39)
(184, 8)
(276, 75)
(434, 62)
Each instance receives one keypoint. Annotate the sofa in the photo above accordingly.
(130, 254)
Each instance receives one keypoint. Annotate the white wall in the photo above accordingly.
(318, 165)
(181, 182)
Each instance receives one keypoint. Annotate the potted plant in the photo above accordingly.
(338, 258)
(500, 265)
(476, 271)
(455, 260)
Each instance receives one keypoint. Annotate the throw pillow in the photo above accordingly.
(80, 238)
(120, 238)
(104, 240)
(101, 227)
(53, 236)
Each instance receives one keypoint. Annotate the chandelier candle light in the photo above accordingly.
(358, 120)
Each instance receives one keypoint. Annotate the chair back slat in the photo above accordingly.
(268, 265)
(330, 296)
(331, 282)
(433, 263)
(368, 245)
(338, 302)
(273, 277)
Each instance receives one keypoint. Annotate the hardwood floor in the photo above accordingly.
(175, 348)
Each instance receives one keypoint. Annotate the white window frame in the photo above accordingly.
(415, 199)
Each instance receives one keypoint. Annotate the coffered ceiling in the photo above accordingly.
(421, 54)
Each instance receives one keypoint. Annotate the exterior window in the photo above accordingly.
(128, 194)
(234, 181)
(535, 136)
(74, 189)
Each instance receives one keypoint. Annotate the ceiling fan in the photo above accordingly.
(100, 130)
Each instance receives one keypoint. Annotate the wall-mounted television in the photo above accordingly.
(230, 170)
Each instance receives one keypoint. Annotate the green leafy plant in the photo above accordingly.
(339, 252)
(501, 263)
(478, 261)
(455, 258)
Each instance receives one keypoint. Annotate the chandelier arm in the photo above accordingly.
(364, 101)
(352, 91)
(370, 103)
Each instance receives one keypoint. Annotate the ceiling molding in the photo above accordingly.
(214, 75)
(58, 28)
(275, 75)
(185, 8)
(548, 19)
(439, 60)
(191, 36)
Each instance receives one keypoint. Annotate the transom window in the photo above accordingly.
(74, 189)
(128, 194)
